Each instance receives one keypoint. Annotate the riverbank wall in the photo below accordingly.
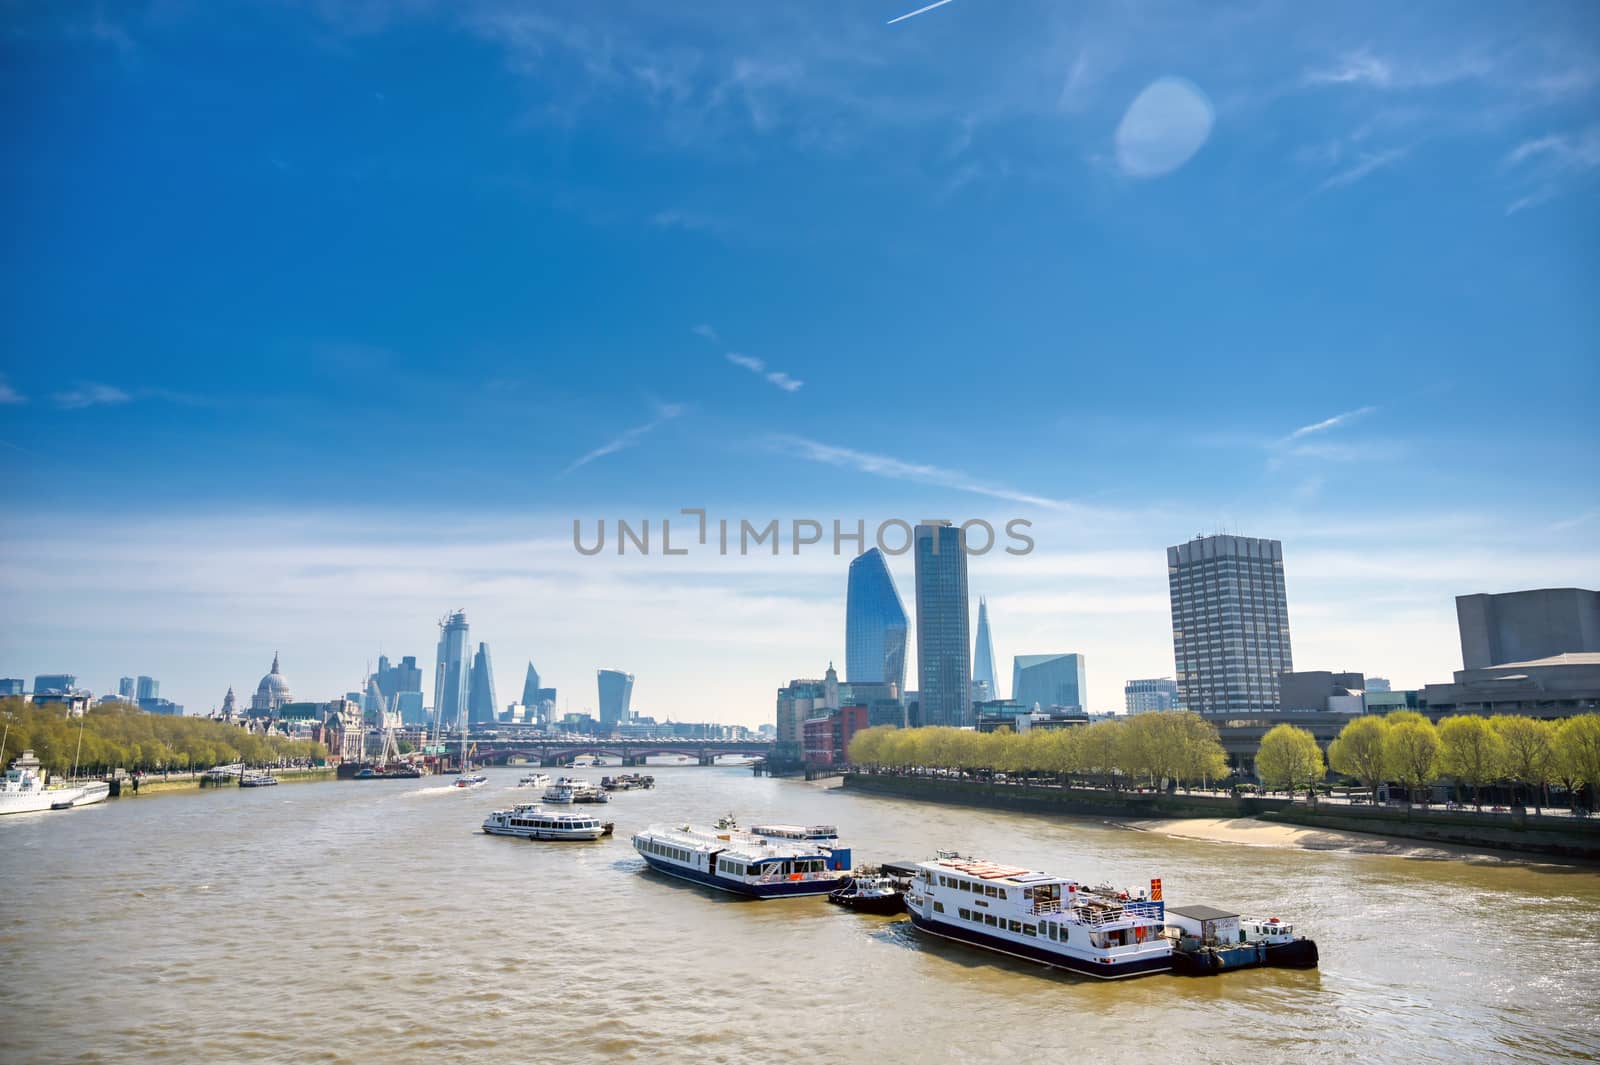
(153, 785)
(1519, 832)
(1078, 801)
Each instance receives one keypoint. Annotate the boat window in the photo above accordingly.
(938, 907)
(964, 913)
(1050, 930)
(990, 919)
(1029, 930)
(1016, 926)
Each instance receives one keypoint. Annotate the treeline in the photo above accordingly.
(1469, 750)
(120, 736)
(1155, 749)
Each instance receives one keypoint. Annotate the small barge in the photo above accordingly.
(1208, 941)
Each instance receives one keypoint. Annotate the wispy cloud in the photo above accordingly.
(1368, 163)
(706, 332)
(8, 395)
(91, 395)
(899, 470)
(1363, 68)
(665, 412)
(1353, 68)
(751, 363)
(1577, 520)
(1328, 423)
(1549, 162)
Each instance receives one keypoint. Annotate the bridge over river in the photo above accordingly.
(498, 750)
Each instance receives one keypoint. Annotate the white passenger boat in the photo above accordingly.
(535, 780)
(471, 780)
(24, 790)
(86, 793)
(559, 793)
(743, 862)
(1096, 931)
(529, 821)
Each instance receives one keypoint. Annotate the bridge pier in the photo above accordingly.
(708, 759)
(632, 760)
(551, 761)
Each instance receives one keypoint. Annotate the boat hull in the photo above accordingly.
(551, 835)
(882, 905)
(1120, 970)
(777, 890)
(27, 803)
(1300, 954)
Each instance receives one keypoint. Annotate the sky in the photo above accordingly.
(322, 319)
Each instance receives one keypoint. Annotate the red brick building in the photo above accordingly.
(827, 738)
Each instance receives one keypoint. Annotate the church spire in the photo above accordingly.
(274, 661)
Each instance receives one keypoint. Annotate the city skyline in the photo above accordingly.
(1375, 248)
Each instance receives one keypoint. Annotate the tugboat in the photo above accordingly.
(1208, 941)
(871, 894)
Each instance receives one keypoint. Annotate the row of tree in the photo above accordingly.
(120, 736)
(1471, 750)
(1151, 748)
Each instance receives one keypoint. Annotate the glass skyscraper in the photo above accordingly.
(984, 684)
(616, 695)
(944, 640)
(1230, 623)
(1048, 680)
(874, 625)
(480, 692)
(453, 675)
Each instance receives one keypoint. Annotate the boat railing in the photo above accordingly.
(1046, 905)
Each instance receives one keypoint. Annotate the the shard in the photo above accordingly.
(984, 685)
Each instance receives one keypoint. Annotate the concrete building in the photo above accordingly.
(272, 693)
(616, 697)
(1322, 692)
(1560, 686)
(944, 643)
(12, 686)
(1527, 626)
(1230, 623)
(1378, 684)
(46, 683)
(452, 671)
(826, 737)
(1155, 693)
(1049, 681)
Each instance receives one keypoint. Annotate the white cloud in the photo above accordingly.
(897, 469)
(1368, 163)
(749, 362)
(757, 366)
(1329, 423)
(784, 381)
(91, 395)
(1163, 128)
(1354, 68)
(706, 332)
(664, 413)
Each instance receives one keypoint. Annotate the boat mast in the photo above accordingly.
(81, 722)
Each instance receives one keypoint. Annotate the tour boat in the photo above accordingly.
(1208, 941)
(870, 894)
(257, 780)
(742, 862)
(24, 791)
(471, 780)
(560, 792)
(535, 780)
(1097, 931)
(86, 793)
(628, 782)
(528, 821)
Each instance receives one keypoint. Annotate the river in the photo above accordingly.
(358, 922)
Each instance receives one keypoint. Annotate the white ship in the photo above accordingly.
(559, 793)
(1097, 931)
(743, 862)
(24, 790)
(534, 780)
(529, 821)
(88, 793)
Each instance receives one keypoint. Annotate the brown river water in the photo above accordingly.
(358, 922)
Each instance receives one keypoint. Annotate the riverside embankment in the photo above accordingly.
(151, 784)
(1545, 837)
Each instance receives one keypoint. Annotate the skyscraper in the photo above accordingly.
(1153, 693)
(944, 642)
(480, 694)
(1230, 623)
(54, 682)
(1048, 680)
(452, 676)
(147, 688)
(126, 690)
(984, 685)
(616, 693)
(874, 624)
(530, 687)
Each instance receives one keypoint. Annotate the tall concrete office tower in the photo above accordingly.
(944, 640)
(874, 625)
(1230, 623)
(480, 693)
(984, 685)
(616, 693)
(452, 677)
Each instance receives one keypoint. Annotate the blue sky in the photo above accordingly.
(324, 318)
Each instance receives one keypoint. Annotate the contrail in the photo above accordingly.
(918, 11)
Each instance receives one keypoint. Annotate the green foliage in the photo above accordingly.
(1411, 749)
(1164, 747)
(120, 736)
(1471, 750)
(1529, 750)
(1358, 751)
(1577, 754)
(1289, 758)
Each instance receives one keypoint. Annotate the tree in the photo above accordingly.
(1577, 749)
(1098, 749)
(1411, 750)
(1358, 751)
(1471, 750)
(1289, 758)
(1530, 756)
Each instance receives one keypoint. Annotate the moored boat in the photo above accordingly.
(257, 780)
(1207, 941)
(534, 780)
(530, 821)
(1095, 931)
(742, 862)
(559, 793)
(870, 894)
(25, 789)
(84, 793)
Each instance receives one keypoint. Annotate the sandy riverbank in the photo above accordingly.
(1249, 832)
